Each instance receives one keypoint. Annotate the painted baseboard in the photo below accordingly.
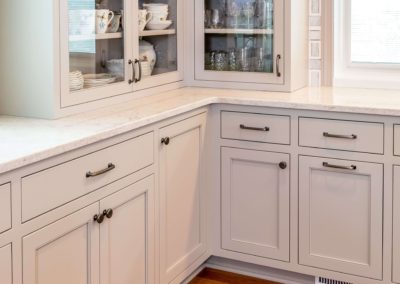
(253, 270)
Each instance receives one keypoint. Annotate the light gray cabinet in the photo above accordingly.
(396, 225)
(340, 215)
(182, 207)
(111, 241)
(255, 202)
(5, 265)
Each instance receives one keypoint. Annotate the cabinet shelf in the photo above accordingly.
(240, 31)
(157, 32)
(95, 36)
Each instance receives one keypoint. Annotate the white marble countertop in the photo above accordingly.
(24, 141)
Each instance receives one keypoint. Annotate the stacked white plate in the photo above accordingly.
(98, 80)
(76, 80)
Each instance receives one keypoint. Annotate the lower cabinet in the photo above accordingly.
(255, 202)
(110, 242)
(5, 265)
(340, 215)
(182, 206)
(396, 225)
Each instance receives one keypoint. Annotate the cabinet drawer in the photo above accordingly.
(341, 135)
(5, 207)
(255, 127)
(70, 180)
(396, 141)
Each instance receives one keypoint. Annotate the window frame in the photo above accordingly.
(356, 74)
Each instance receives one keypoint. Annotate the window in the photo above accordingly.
(367, 43)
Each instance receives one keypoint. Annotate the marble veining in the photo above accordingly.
(24, 141)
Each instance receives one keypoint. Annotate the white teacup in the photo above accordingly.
(103, 18)
(159, 16)
(144, 18)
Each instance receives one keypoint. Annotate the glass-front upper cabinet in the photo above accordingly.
(158, 42)
(238, 37)
(95, 56)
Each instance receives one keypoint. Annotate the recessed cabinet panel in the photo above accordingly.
(396, 140)
(5, 207)
(64, 252)
(127, 237)
(182, 201)
(255, 127)
(341, 135)
(255, 203)
(6, 265)
(340, 221)
(65, 182)
(396, 224)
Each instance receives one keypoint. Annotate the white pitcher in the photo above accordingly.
(103, 19)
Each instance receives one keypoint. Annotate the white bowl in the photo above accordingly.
(159, 25)
(155, 6)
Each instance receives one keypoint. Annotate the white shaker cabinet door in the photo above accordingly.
(255, 203)
(340, 215)
(396, 224)
(182, 213)
(64, 252)
(5, 265)
(127, 235)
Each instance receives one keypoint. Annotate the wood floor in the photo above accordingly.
(213, 276)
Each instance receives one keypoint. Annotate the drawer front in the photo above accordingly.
(68, 181)
(255, 127)
(5, 207)
(341, 135)
(396, 140)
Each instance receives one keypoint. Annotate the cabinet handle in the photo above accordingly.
(110, 167)
(98, 218)
(266, 129)
(283, 165)
(278, 60)
(327, 165)
(165, 141)
(137, 61)
(132, 80)
(108, 213)
(351, 137)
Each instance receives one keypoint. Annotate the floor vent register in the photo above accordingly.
(322, 280)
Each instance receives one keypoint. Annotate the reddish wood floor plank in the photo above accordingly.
(213, 276)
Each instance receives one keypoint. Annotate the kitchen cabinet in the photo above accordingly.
(5, 207)
(85, 54)
(340, 215)
(6, 265)
(127, 238)
(396, 225)
(111, 241)
(64, 252)
(249, 43)
(255, 202)
(182, 205)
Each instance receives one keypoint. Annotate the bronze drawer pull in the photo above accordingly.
(110, 167)
(327, 165)
(266, 129)
(351, 137)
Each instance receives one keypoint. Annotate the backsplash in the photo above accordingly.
(315, 58)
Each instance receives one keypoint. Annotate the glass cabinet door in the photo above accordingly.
(158, 49)
(241, 37)
(97, 64)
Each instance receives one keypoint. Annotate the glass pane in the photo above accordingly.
(96, 43)
(239, 35)
(375, 31)
(158, 40)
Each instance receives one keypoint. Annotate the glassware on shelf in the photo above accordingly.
(220, 61)
(233, 63)
(245, 55)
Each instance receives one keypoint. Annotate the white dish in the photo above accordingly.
(97, 80)
(161, 25)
